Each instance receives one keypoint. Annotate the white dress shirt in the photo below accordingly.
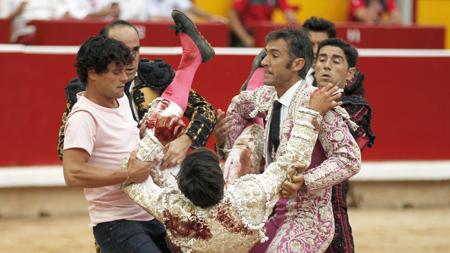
(286, 99)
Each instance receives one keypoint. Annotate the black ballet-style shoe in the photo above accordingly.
(185, 25)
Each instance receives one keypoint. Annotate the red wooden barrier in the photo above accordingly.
(156, 34)
(409, 96)
(4, 30)
(375, 36)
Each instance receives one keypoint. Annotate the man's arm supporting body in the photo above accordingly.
(343, 155)
(300, 147)
(79, 143)
(202, 120)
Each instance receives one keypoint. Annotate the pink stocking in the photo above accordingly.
(178, 90)
(256, 80)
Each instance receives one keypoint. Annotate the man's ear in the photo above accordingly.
(298, 64)
(91, 74)
(350, 73)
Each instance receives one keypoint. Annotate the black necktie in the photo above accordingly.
(274, 134)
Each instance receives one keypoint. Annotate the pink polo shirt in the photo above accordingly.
(109, 135)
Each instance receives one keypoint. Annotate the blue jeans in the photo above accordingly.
(126, 236)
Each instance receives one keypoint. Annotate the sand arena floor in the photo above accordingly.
(382, 230)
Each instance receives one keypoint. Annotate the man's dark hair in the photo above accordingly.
(350, 52)
(97, 53)
(116, 23)
(315, 24)
(299, 46)
(200, 178)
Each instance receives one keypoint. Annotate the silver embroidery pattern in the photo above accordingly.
(309, 224)
(343, 154)
(246, 155)
(243, 107)
(247, 203)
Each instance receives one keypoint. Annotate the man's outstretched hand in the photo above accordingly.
(175, 151)
(325, 98)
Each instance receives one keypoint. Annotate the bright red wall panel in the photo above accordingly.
(410, 97)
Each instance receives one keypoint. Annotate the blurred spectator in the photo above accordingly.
(319, 29)
(22, 11)
(247, 12)
(374, 11)
(162, 9)
(133, 10)
(99, 9)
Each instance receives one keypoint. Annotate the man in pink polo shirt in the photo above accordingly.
(100, 135)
